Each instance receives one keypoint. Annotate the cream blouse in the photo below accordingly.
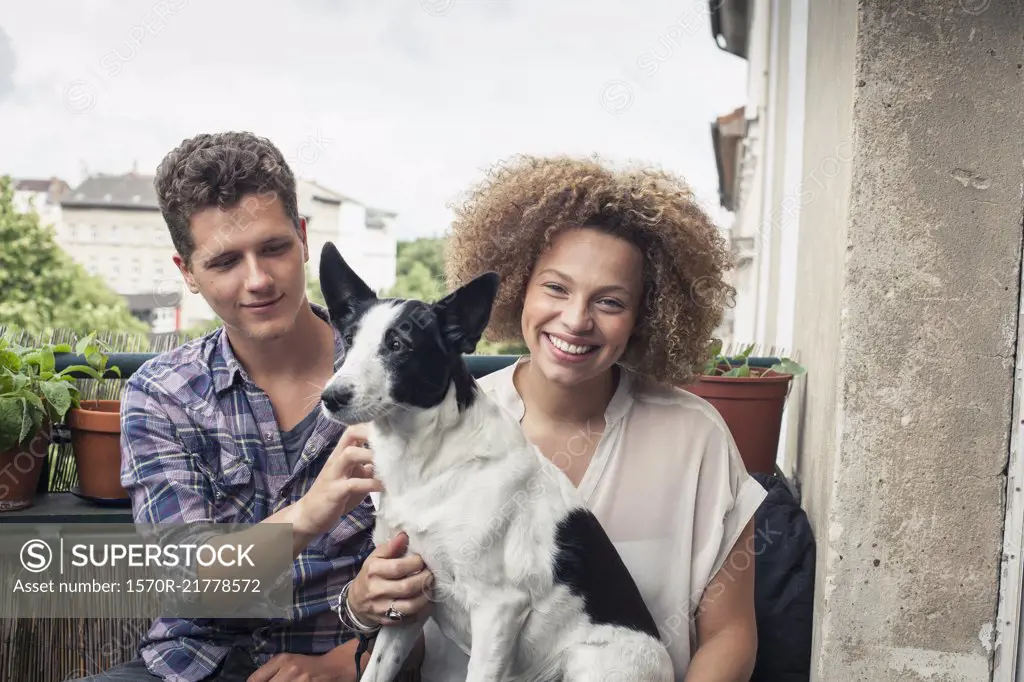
(668, 486)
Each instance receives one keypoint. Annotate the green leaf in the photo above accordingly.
(37, 421)
(787, 366)
(84, 344)
(96, 359)
(62, 348)
(36, 411)
(10, 360)
(58, 395)
(10, 422)
(84, 369)
(740, 371)
(13, 383)
(25, 428)
(46, 360)
(34, 400)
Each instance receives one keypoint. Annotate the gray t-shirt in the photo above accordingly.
(295, 439)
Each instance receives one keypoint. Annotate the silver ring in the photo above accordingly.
(393, 614)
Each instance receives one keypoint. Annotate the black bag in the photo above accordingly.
(784, 585)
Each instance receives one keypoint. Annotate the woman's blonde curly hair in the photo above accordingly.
(506, 221)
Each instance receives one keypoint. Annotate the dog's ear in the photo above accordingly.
(464, 313)
(341, 286)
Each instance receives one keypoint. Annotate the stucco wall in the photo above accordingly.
(906, 313)
(820, 267)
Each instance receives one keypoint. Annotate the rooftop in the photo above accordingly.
(131, 191)
(53, 187)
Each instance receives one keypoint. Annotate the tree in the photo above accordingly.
(313, 292)
(420, 274)
(43, 289)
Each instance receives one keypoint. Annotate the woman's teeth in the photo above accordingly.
(569, 347)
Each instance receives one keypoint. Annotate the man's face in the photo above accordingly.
(249, 265)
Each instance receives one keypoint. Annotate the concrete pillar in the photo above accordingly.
(906, 313)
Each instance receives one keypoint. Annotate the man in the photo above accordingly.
(228, 429)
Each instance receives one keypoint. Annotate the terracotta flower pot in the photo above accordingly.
(96, 440)
(752, 408)
(19, 471)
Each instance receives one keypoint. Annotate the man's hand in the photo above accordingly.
(300, 668)
(389, 577)
(345, 481)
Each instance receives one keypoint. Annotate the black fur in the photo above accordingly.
(343, 289)
(425, 346)
(422, 366)
(587, 562)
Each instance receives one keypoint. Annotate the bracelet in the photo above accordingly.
(355, 621)
(344, 611)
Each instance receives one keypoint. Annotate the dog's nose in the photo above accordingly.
(336, 398)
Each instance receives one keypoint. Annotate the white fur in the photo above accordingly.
(481, 506)
(363, 371)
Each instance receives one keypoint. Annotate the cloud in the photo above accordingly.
(417, 102)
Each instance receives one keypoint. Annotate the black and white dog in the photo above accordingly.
(531, 583)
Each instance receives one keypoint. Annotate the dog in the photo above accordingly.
(532, 585)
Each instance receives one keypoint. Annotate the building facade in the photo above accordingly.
(878, 205)
(112, 226)
(365, 236)
(41, 196)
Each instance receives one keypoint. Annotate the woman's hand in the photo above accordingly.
(390, 578)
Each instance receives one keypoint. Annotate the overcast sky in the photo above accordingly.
(399, 104)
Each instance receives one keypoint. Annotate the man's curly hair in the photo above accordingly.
(220, 170)
(506, 221)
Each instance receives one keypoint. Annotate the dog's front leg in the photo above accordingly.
(391, 648)
(495, 621)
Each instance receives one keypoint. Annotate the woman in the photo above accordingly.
(615, 281)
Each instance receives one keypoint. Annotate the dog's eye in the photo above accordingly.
(347, 338)
(393, 341)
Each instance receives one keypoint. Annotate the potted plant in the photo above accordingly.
(751, 400)
(33, 397)
(95, 427)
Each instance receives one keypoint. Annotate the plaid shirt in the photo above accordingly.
(200, 443)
